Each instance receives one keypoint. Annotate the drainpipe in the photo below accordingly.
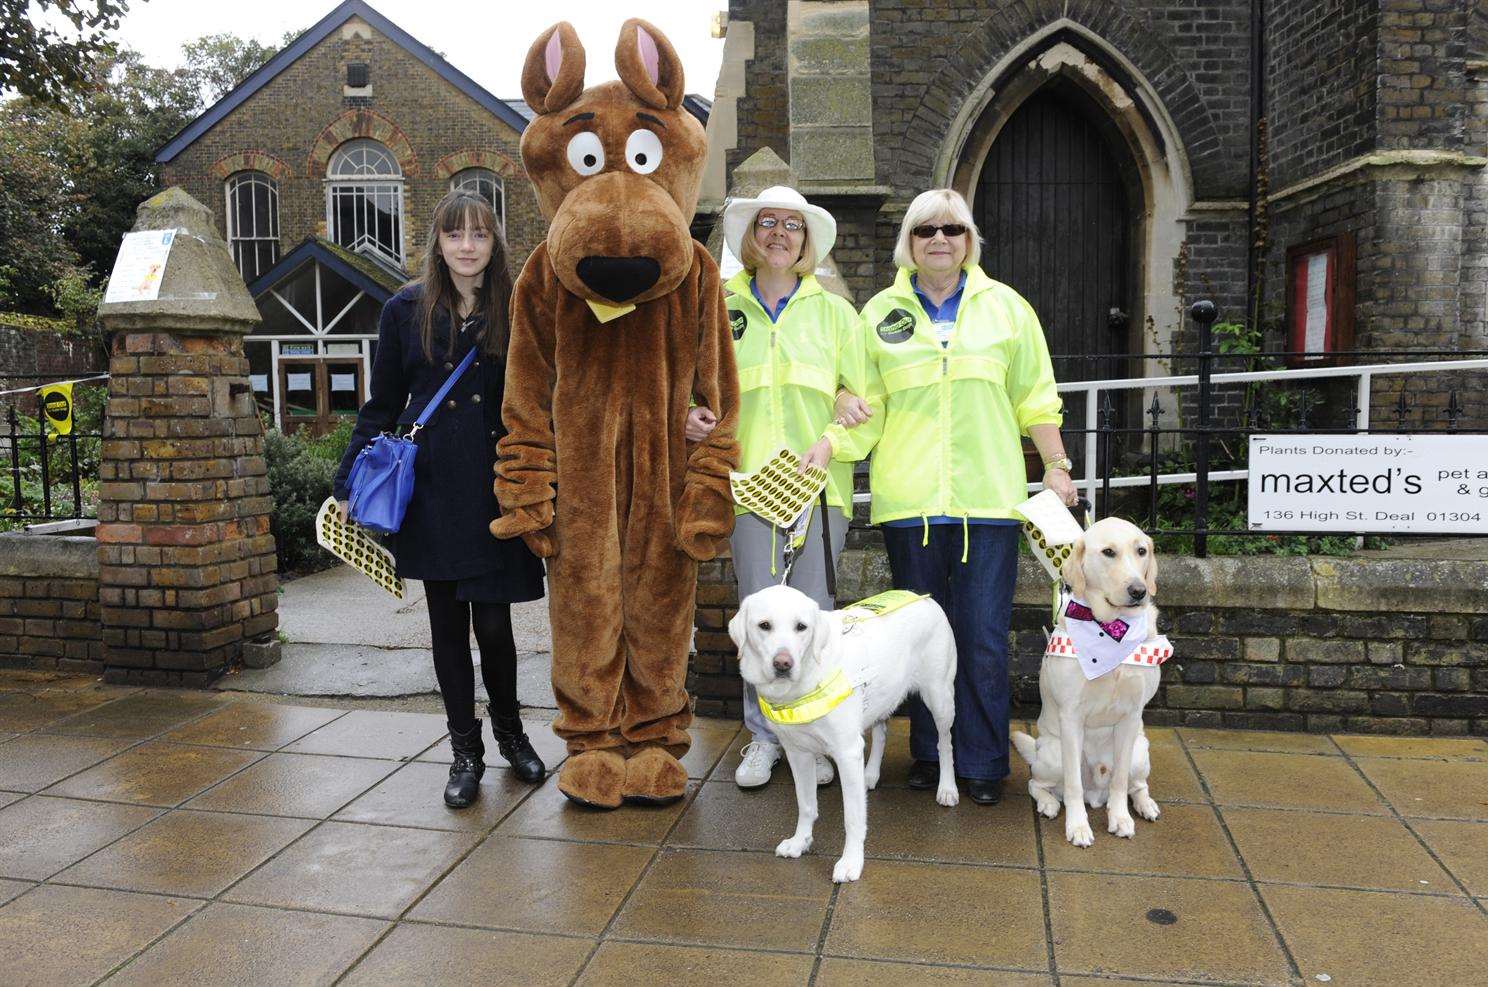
(1257, 111)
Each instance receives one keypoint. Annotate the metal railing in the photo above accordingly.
(45, 477)
(1093, 446)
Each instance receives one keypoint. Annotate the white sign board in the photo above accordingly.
(1401, 484)
(140, 266)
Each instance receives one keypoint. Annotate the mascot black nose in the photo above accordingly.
(619, 278)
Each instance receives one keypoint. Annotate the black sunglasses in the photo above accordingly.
(927, 230)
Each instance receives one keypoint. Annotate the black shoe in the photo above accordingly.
(924, 774)
(513, 744)
(983, 792)
(465, 773)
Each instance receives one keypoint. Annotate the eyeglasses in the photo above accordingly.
(927, 230)
(770, 222)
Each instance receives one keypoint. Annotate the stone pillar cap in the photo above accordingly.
(201, 290)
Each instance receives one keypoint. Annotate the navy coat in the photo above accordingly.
(445, 532)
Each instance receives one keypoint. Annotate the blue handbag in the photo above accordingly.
(381, 477)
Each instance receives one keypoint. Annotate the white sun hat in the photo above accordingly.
(738, 217)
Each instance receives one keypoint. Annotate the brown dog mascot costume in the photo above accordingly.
(618, 324)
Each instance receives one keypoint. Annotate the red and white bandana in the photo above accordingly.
(1098, 648)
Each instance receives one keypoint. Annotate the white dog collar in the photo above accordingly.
(1096, 661)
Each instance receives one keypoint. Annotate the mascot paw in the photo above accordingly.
(534, 525)
(654, 777)
(704, 521)
(593, 779)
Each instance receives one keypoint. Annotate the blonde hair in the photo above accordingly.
(751, 256)
(937, 205)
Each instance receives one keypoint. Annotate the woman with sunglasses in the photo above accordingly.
(957, 371)
(796, 344)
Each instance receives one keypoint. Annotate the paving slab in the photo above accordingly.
(1288, 781)
(546, 886)
(414, 796)
(1274, 741)
(624, 964)
(836, 972)
(1185, 841)
(548, 813)
(156, 773)
(1332, 849)
(1370, 937)
(328, 869)
(431, 954)
(138, 716)
(1462, 846)
(58, 935)
(1441, 789)
(898, 911)
(698, 897)
(254, 726)
(34, 761)
(1163, 928)
(33, 707)
(225, 944)
(307, 785)
(11, 889)
(195, 854)
(373, 733)
(42, 835)
(1434, 748)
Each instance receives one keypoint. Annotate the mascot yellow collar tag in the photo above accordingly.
(812, 706)
(608, 313)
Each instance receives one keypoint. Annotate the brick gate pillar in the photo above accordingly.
(186, 561)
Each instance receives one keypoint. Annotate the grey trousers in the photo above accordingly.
(751, 548)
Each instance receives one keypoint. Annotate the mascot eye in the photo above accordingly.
(586, 153)
(764, 625)
(643, 152)
(1109, 553)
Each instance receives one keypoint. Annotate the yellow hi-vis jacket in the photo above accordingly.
(947, 420)
(789, 373)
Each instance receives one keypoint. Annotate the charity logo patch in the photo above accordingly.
(896, 327)
(736, 323)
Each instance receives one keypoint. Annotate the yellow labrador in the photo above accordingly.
(1098, 673)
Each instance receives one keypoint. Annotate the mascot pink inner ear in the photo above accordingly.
(553, 55)
(646, 45)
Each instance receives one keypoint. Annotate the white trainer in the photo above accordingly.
(759, 761)
(824, 770)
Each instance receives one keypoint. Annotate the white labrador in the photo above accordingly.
(1090, 746)
(788, 647)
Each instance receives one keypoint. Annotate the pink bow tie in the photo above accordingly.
(1078, 611)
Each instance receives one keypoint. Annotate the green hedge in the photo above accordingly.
(300, 475)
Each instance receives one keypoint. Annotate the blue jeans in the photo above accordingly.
(977, 596)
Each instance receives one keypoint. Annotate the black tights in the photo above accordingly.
(449, 620)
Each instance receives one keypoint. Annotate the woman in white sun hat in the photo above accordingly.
(796, 346)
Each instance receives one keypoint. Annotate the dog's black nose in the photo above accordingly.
(1136, 591)
(619, 278)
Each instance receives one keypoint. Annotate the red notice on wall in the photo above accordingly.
(1320, 301)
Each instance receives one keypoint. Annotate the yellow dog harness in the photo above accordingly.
(836, 689)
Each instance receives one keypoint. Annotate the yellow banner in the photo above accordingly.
(56, 406)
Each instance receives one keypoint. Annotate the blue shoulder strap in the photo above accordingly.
(449, 382)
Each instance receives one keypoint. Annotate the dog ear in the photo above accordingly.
(738, 625)
(648, 65)
(553, 75)
(821, 634)
(1073, 570)
(1149, 568)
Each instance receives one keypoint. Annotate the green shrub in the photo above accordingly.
(300, 481)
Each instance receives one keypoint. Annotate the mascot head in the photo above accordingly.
(616, 167)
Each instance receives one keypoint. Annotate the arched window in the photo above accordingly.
(253, 222)
(483, 181)
(364, 199)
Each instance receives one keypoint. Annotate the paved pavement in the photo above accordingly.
(162, 837)
(344, 636)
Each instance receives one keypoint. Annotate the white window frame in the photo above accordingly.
(467, 177)
(235, 234)
(347, 177)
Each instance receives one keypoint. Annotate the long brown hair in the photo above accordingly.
(457, 210)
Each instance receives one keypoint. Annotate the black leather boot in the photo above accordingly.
(465, 773)
(513, 744)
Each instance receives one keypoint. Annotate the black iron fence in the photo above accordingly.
(45, 476)
(1123, 463)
